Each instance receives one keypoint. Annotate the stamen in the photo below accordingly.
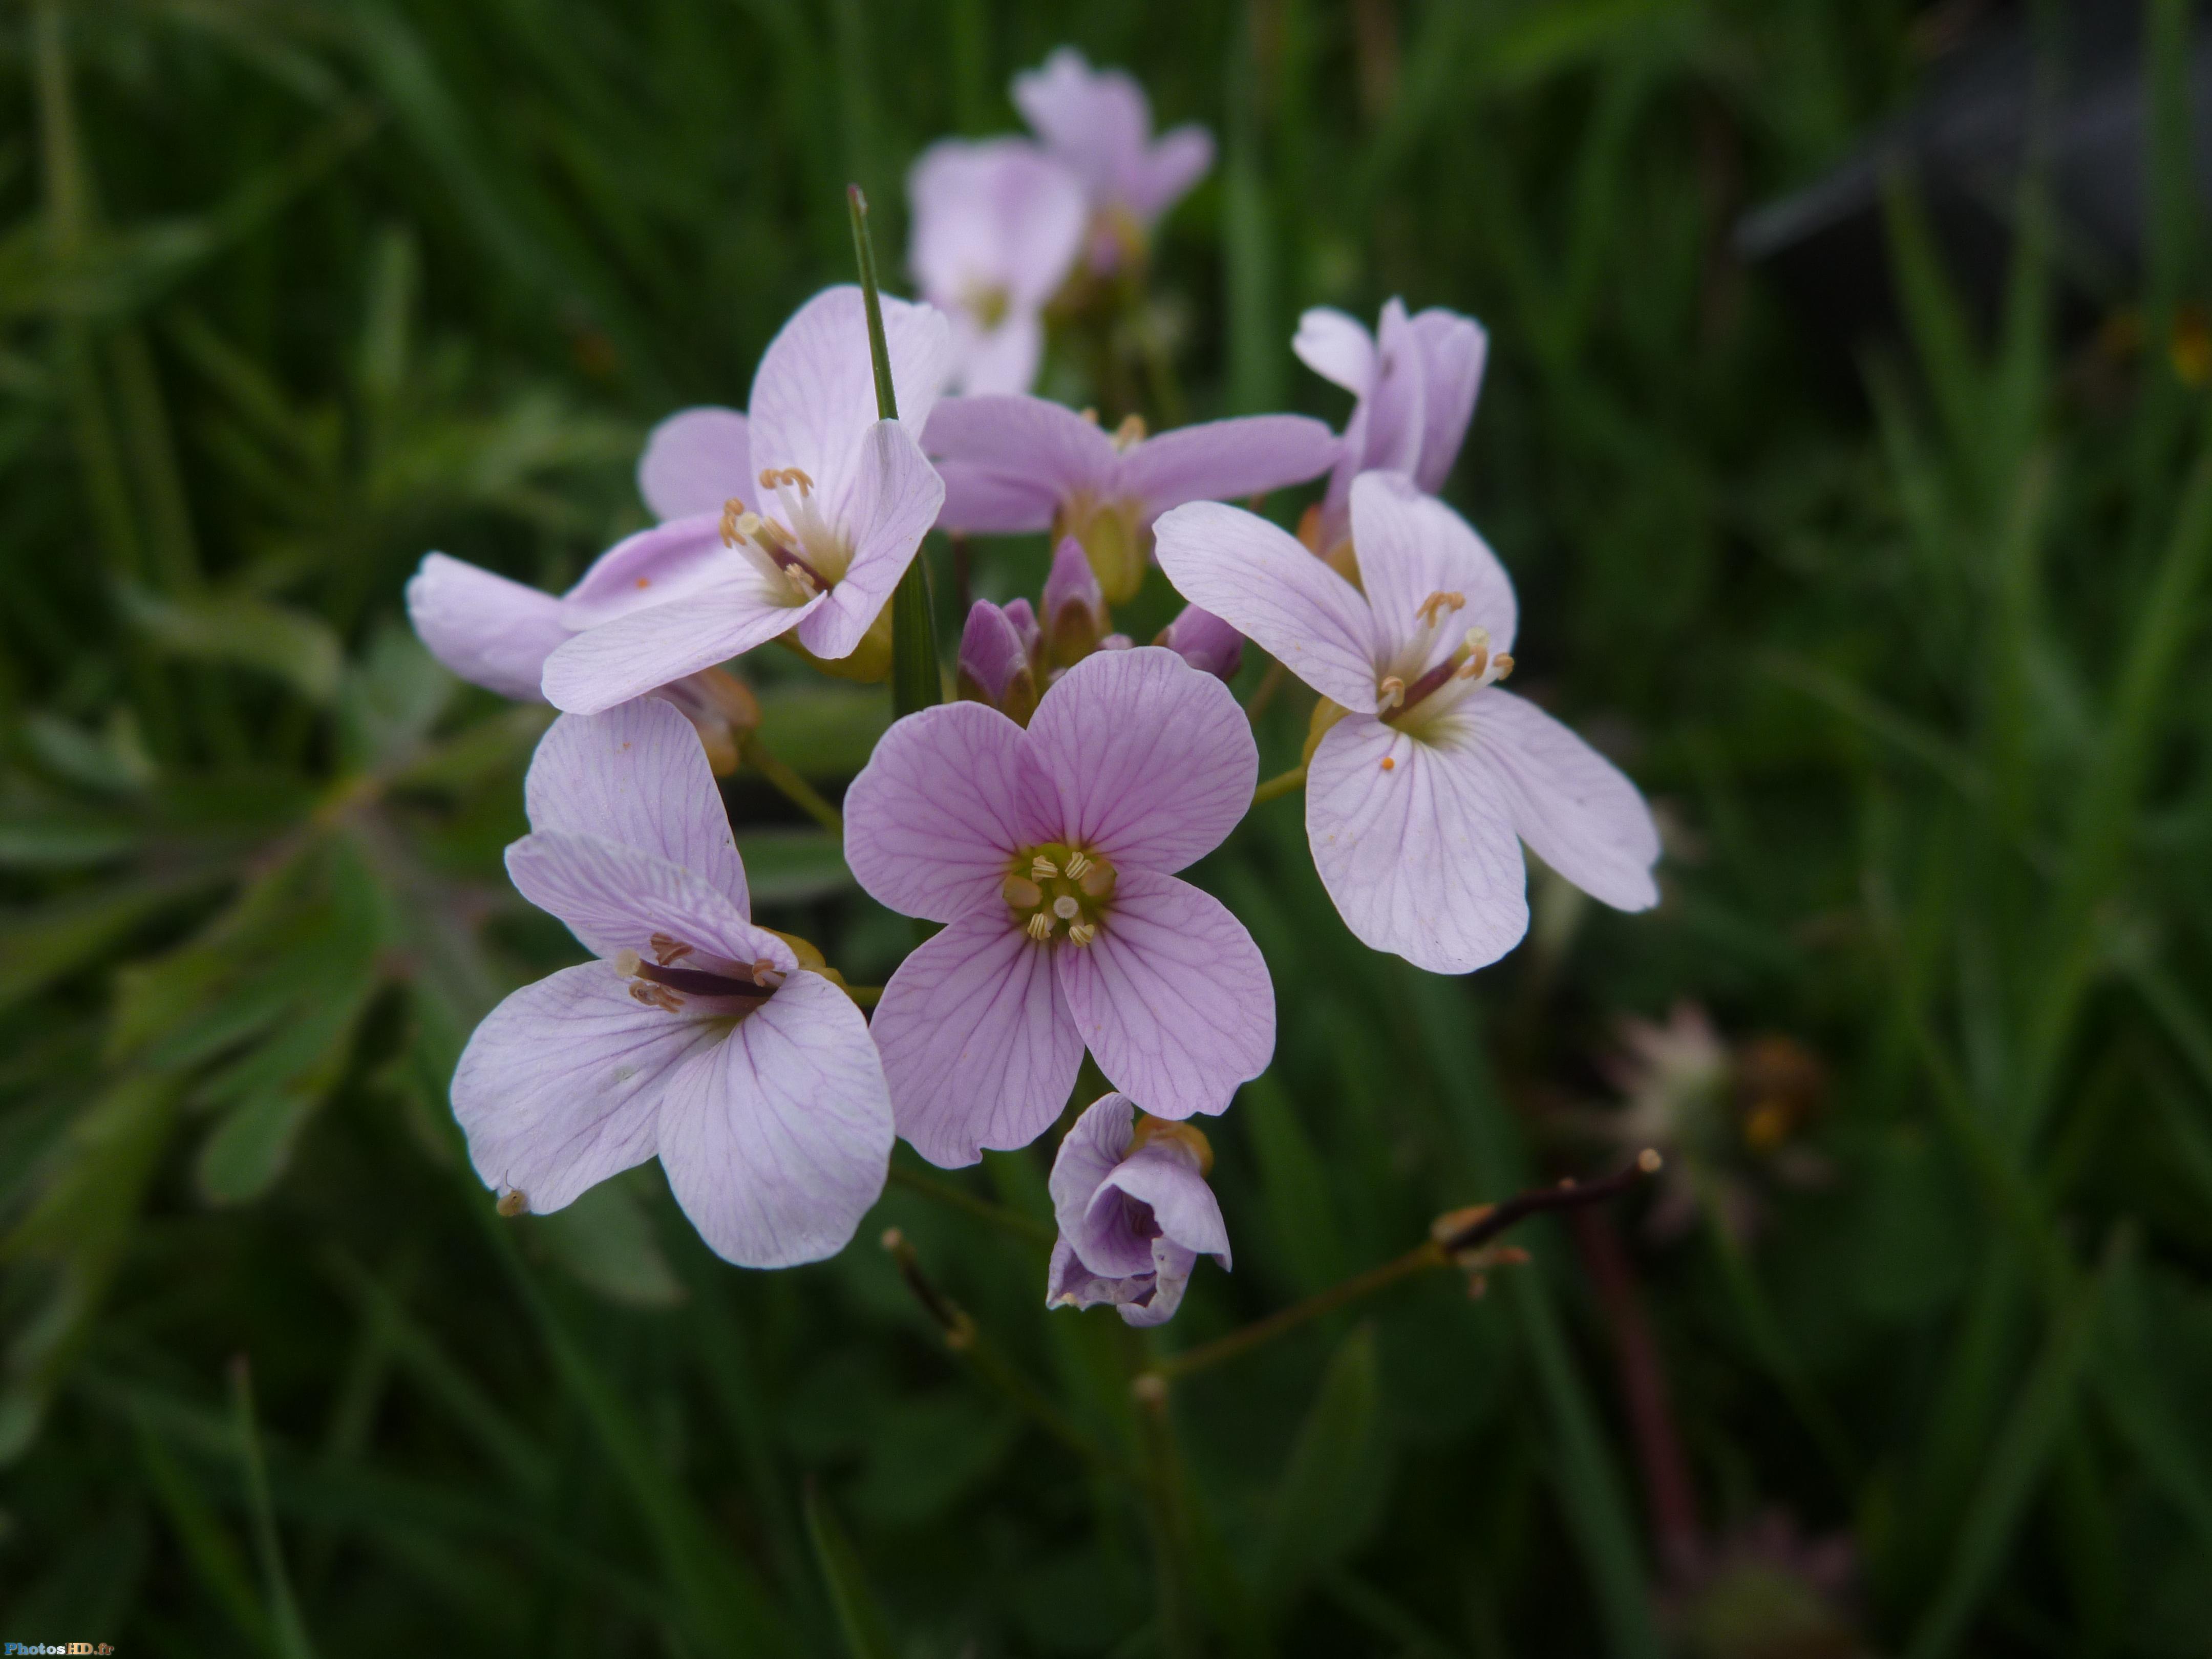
(1066, 908)
(1388, 764)
(1082, 932)
(1078, 862)
(1130, 432)
(1040, 926)
(1042, 868)
(1021, 893)
(1500, 666)
(1429, 608)
(666, 950)
(1393, 693)
(735, 515)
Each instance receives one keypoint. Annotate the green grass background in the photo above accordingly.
(1911, 659)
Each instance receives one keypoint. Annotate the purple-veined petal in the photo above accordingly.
(894, 502)
(636, 775)
(488, 630)
(1172, 1267)
(1411, 545)
(813, 400)
(695, 461)
(560, 1086)
(639, 653)
(1337, 347)
(1089, 1153)
(1181, 156)
(776, 1141)
(1267, 586)
(616, 898)
(655, 567)
(1454, 349)
(1420, 859)
(977, 1044)
(1165, 1176)
(933, 821)
(1142, 758)
(1172, 997)
(1069, 1284)
(1219, 459)
(1574, 808)
(1008, 463)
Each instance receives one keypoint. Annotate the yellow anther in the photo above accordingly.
(1129, 432)
(1436, 603)
(1081, 933)
(1392, 692)
(1078, 862)
(1042, 868)
(1040, 928)
(1500, 666)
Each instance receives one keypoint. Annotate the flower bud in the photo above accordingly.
(1205, 642)
(994, 663)
(1075, 618)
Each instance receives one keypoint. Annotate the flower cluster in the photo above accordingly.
(1045, 817)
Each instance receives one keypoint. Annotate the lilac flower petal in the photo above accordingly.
(1071, 581)
(1454, 349)
(991, 649)
(1388, 422)
(1181, 156)
(1093, 1147)
(1068, 1283)
(1172, 1266)
(933, 821)
(696, 461)
(1023, 617)
(659, 566)
(616, 898)
(1220, 459)
(1267, 586)
(1574, 807)
(488, 630)
(1098, 121)
(636, 775)
(776, 1140)
(1142, 757)
(813, 400)
(1165, 1176)
(1008, 463)
(998, 214)
(1421, 861)
(1337, 347)
(639, 653)
(976, 1041)
(1001, 361)
(894, 502)
(1411, 545)
(560, 1086)
(1171, 997)
(1205, 642)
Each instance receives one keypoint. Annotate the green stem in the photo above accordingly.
(1281, 784)
(788, 783)
(1163, 1484)
(917, 682)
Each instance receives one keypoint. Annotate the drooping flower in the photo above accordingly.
(1048, 854)
(1134, 1213)
(997, 227)
(1100, 123)
(1415, 796)
(813, 544)
(696, 1035)
(1205, 642)
(497, 634)
(1012, 466)
(1415, 379)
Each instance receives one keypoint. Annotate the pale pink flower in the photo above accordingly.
(695, 1037)
(1415, 797)
(1100, 123)
(1048, 854)
(1012, 466)
(1415, 379)
(1134, 1213)
(997, 227)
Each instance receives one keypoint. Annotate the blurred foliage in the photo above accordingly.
(290, 291)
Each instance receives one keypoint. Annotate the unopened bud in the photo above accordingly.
(1075, 618)
(1205, 642)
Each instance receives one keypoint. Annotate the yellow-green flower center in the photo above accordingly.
(1056, 891)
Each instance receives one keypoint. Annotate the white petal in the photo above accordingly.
(694, 461)
(1574, 807)
(616, 898)
(1337, 347)
(1411, 545)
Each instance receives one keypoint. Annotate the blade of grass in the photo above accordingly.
(859, 1619)
(287, 1628)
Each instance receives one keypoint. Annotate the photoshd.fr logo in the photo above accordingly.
(12, 1648)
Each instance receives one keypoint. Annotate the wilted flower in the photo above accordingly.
(1415, 795)
(1415, 379)
(997, 227)
(813, 544)
(1012, 466)
(1047, 852)
(1100, 123)
(696, 1035)
(1134, 1213)
(1205, 642)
